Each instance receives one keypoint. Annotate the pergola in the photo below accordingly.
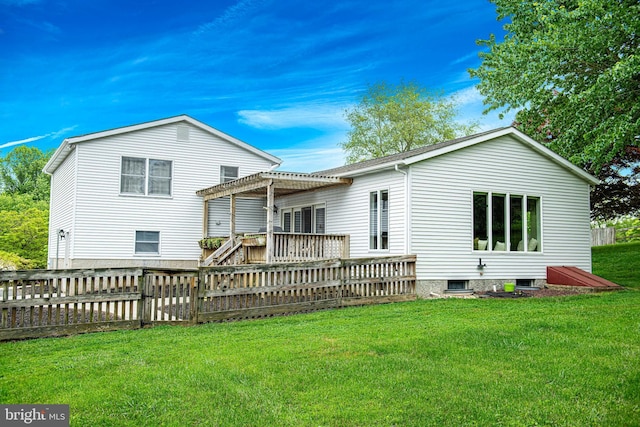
(264, 184)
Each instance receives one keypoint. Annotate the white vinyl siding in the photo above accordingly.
(106, 221)
(442, 212)
(347, 210)
(61, 212)
(250, 216)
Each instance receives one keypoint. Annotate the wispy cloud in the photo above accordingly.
(465, 58)
(52, 135)
(228, 16)
(312, 116)
(313, 155)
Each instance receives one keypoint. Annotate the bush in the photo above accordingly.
(9, 261)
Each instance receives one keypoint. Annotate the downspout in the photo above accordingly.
(407, 209)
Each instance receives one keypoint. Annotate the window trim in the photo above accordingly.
(135, 243)
(293, 210)
(379, 237)
(508, 221)
(227, 178)
(146, 178)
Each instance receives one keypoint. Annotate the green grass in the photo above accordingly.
(619, 263)
(569, 361)
(556, 361)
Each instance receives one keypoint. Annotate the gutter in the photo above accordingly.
(407, 207)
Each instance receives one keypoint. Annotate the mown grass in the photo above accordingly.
(553, 361)
(569, 361)
(619, 263)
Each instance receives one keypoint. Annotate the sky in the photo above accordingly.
(276, 74)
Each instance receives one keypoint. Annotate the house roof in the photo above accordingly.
(422, 153)
(68, 144)
(284, 183)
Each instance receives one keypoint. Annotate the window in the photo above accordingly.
(456, 284)
(147, 242)
(228, 173)
(524, 282)
(501, 223)
(306, 219)
(379, 219)
(134, 178)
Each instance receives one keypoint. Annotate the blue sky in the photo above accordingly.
(276, 74)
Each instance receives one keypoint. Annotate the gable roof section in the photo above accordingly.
(68, 144)
(423, 153)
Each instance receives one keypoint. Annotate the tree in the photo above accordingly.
(24, 229)
(392, 119)
(21, 172)
(572, 70)
(619, 191)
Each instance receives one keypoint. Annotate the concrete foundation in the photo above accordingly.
(437, 288)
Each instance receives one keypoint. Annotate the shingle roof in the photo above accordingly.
(395, 158)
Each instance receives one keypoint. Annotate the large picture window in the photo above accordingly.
(506, 222)
(379, 220)
(145, 176)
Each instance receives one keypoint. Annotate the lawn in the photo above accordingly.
(570, 361)
(619, 263)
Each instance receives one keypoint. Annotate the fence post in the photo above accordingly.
(147, 298)
(196, 285)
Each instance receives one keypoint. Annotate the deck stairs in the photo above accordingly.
(228, 253)
(574, 276)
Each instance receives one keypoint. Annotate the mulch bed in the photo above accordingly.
(527, 294)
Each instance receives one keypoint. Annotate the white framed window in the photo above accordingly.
(507, 222)
(147, 243)
(379, 220)
(228, 173)
(304, 219)
(150, 177)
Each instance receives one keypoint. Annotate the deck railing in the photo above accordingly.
(290, 247)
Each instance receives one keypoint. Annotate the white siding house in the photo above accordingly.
(126, 197)
(531, 210)
(477, 211)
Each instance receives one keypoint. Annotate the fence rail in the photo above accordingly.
(41, 303)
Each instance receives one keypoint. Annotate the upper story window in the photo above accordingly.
(142, 176)
(228, 173)
(506, 222)
(379, 219)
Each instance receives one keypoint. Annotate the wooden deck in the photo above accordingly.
(287, 247)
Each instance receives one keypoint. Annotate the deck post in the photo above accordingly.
(270, 208)
(232, 219)
(205, 218)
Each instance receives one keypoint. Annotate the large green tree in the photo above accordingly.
(571, 70)
(21, 172)
(391, 119)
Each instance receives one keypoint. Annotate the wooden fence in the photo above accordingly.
(603, 236)
(41, 303)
